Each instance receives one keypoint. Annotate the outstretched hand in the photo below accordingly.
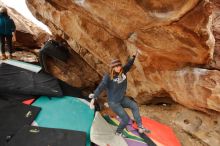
(137, 52)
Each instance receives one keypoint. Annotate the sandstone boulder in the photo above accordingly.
(174, 37)
(216, 31)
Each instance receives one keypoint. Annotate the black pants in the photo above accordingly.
(8, 40)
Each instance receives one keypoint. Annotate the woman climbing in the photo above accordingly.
(116, 85)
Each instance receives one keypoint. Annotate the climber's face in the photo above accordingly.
(118, 68)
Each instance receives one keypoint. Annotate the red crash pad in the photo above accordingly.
(160, 132)
(28, 102)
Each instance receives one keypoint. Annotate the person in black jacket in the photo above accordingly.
(7, 29)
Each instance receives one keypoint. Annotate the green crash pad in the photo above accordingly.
(65, 113)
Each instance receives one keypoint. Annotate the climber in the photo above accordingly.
(7, 32)
(116, 84)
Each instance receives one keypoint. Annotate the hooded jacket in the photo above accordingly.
(7, 25)
(116, 88)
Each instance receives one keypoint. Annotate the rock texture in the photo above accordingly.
(199, 125)
(193, 87)
(216, 31)
(73, 72)
(28, 34)
(174, 37)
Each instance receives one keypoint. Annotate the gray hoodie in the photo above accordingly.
(116, 88)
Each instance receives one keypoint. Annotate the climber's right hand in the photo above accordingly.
(91, 96)
(91, 105)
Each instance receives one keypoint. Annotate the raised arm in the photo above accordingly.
(129, 64)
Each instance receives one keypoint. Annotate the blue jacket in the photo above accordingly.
(116, 88)
(7, 25)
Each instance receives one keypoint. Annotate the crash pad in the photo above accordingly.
(161, 133)
(13, 117)
(103, 134)
(24, 65)
(29, 101)
(65, 113)
(39, 136)
(18, 81)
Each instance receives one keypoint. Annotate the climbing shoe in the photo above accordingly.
(143, 130)
(120, 134)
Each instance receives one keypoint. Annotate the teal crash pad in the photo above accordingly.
(65, 113)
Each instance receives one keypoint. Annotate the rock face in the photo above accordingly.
(193, 87)
(199, 125)
(73, 72)
(28, 34)
(174, 37)
(216, 32)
